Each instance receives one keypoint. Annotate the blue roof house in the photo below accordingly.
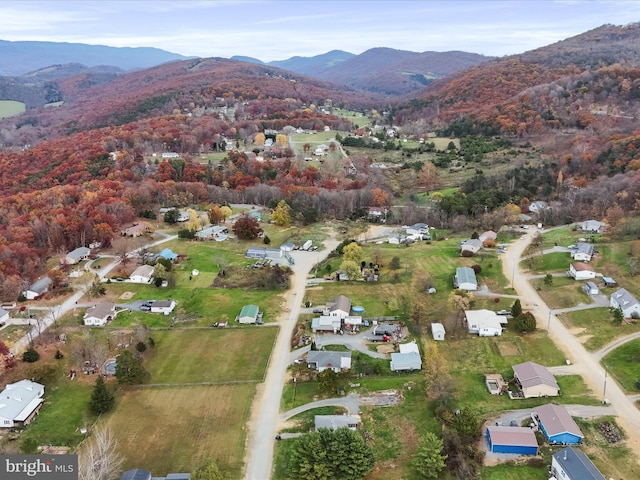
(168, 254)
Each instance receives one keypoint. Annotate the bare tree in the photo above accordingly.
(98, 458)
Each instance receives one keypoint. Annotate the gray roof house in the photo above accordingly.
(473, 245)
(437, 330)
(77, 255)
(465, 279)
(535, 380)
(336, 421)
(593, 226)
(322, 360)
(571, 464)
(20, 402)
(37, 288)
(626, 302)
(408, 359)
(583, 252)
(100, 314)
(4, 315)
(339, 306)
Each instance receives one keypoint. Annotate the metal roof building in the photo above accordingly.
(516, 440)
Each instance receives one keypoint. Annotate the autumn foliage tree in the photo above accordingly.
(282, 214)
(247, 228)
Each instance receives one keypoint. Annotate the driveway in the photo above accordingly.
(350, 402)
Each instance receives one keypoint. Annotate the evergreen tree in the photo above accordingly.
(102, 400)
(428, 459)
(516, 309)
(208, 471)
(129, 369)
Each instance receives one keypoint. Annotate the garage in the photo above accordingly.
(515, 440)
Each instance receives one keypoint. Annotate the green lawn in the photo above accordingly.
(508, 471)
(563, 292)
(599, 329)
(210, 355)
(554, 262)
(624, 365)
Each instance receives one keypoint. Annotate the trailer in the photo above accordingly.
(307, 245)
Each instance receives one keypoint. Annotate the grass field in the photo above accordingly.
(210, 355)
(599, 329)
(168, 430)
(563, 292)
(11, 108)
(623, 364)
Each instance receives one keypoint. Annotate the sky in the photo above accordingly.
(277, 30)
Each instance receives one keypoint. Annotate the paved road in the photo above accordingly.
(350, 402)
(604, 351)
(586, 364)
(266, 408)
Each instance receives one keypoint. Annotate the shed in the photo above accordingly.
(437, 330)
(515, 440)
(591, 288)
(465, 279)
(249, 314)
(571, 464)
(557, 425)
(608, 282)
(535, 380)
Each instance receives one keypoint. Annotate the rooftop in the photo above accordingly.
(556, 420)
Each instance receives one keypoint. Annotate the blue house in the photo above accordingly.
(557, 425)
(516, 440)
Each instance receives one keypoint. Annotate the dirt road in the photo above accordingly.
(586, 364)
(265, 413)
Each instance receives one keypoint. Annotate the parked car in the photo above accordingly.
(145, 308)
(503, 312)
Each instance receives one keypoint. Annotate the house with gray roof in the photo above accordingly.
(321, 360)
(99, 315)
(583, 252)
(335, 422)
(340, 307)
(408, 359)
(4, 316)
(37, 288)
(142, 274)
(465, 279)
(571, 464)
(213, 232)
(535, 380)
(20, 402)
(77, 255)
(592, 226)
(473, 245)
(557, 425)
(623, 300)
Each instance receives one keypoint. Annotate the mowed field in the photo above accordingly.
(202, 384)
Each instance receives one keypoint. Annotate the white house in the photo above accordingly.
(582, 271)
(593, 226)
(20, 403)
(571, 464)
(326, 323)
(77, 255)
(340, 307)
(213, 232)
(538, 206)
(336, 421)
(535, 380)
(473, 245)
(100, 314)
(485, 323)
(37, 288)
(163, 306)
(321, 360)
(465, 279)
(626, 302)
(408, 359)
(142, 274)
(583, 252)
(591, 288)
(437, 330)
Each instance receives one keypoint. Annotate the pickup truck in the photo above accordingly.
(380, 338)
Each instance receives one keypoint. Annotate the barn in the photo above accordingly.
(516, 440)
(249, 314)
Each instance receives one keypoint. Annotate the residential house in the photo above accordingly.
(340, 306)
(140, 474)
(167, 254)
(626, 302)
(213, 232)
(571, 464)
(408, 359)
(465, 279)
(4, 316)
(249, 314)
(591, 288)
(321, 360)
(37, 288)
(581, 271)
(136, 230)
(592, 226)
(485, 323)
(99, 315)
(20, 402)
(142, 274)
(163, 306)
(326, 323)
(170, 155)
(535, 380)
(472, 246)
(489, 235)
(583, 252)
(557, 425)
(437, 330)
(335, 422)
(538, 206)
(77, 255)
(516, 440)
(260, 252)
